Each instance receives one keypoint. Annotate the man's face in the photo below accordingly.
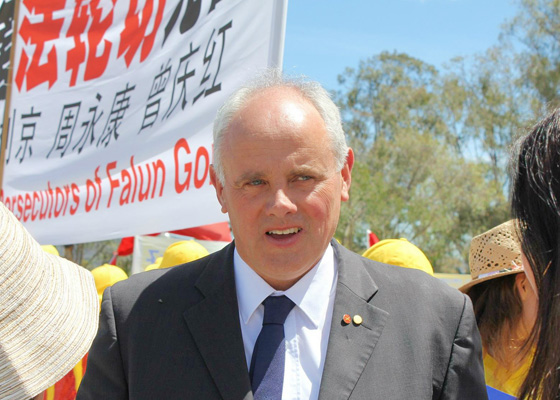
(282, 190)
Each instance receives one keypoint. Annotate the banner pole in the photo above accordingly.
(6, 122)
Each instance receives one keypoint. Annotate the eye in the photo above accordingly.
(256, 182)
(304, 178)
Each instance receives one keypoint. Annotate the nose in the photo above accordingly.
(280, 203)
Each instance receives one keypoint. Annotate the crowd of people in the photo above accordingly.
(285, 311)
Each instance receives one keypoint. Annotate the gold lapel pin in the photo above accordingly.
(357, 319)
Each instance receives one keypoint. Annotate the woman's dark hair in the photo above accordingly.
(498, 310)
(535, 195)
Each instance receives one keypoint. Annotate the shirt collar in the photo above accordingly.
(308, 294)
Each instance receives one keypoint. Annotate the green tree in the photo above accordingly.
(414, 175)
(536, 28)
(93, 254)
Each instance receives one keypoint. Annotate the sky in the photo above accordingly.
(323, 37)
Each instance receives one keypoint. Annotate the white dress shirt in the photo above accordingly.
(306, 328)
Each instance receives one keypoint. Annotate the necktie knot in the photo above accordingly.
(276, 309)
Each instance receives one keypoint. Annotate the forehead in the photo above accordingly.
(274, 114)
(274, 124)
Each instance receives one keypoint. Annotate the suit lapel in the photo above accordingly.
(214, 325)
(350, 346)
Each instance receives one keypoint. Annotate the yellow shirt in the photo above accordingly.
(501, 378)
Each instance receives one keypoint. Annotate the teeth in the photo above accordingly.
(284, 231)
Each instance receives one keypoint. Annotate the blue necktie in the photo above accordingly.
(267, 363)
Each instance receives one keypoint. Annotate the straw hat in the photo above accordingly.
(107, 275)
(182, 252)
(399, 252)
(494, 254)
(48, 313)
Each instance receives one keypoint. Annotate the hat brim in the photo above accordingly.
(49, 312)
(467, 286)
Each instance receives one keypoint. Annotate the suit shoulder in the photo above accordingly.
(415, 281)
(158, 277)
(413, 278)
(420, 296)
(175, 282)
(413, 284)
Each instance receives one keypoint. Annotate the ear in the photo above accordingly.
(219, 188)
(346, 173)
(522, 285)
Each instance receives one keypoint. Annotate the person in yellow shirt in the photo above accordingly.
(505, 306)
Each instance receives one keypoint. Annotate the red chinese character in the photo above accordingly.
(96, 65)
(38, 34)
(134, 33)
(77, 54)
(84, 11)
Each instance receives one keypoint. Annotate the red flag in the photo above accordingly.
(372, 238)
(215, 232)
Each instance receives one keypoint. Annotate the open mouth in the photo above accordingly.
(283, 233)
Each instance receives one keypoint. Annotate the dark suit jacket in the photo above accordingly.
(175, 334)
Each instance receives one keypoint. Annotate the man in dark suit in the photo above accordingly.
(352, 328)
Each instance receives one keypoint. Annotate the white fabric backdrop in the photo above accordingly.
(112, 109)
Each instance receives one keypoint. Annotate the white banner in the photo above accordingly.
(111, 115)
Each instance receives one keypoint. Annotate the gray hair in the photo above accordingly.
(310, 90)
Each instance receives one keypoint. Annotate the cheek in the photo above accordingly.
(323, 205)
(531, 311)
(244, 210)
(529, 273)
